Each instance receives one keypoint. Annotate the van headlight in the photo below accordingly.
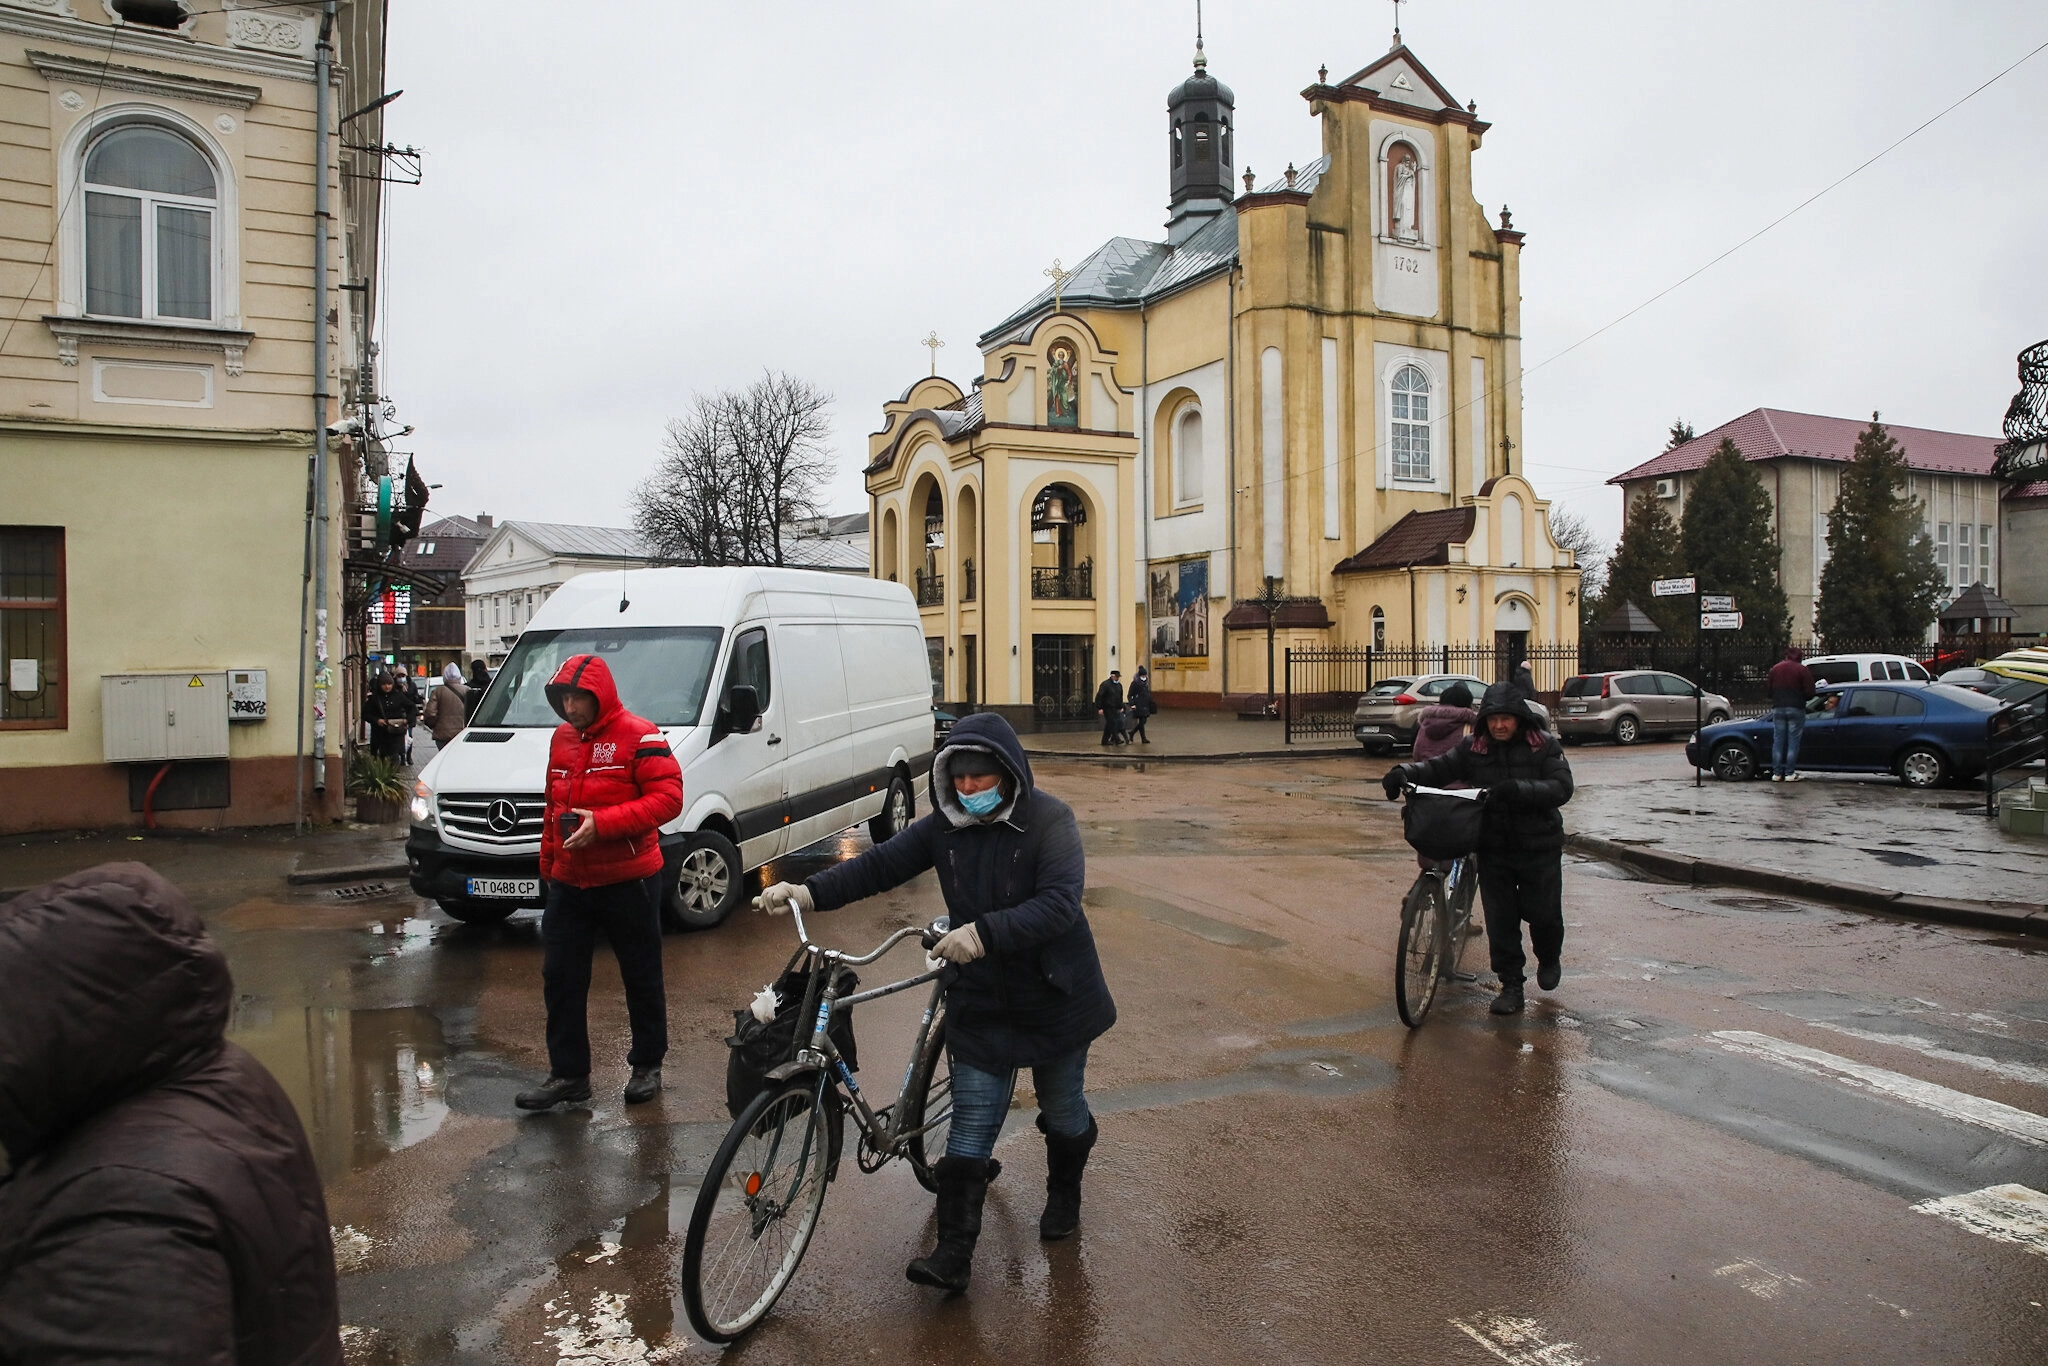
(422, 804)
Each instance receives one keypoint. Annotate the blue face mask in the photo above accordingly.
(980, 803)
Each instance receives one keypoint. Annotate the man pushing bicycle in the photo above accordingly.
(1521, 838)
(1030, 990)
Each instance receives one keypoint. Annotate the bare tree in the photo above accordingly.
(736, 473)
(1573, 533)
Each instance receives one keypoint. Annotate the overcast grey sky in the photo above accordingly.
(626, 203)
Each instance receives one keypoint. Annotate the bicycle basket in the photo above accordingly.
(759, 1047)
(1440, 825)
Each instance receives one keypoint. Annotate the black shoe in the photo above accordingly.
(1509, 1002)
(554, 1091)
(1548, 974)
(644, 1083)
(1064, 1160)
(963, 1184)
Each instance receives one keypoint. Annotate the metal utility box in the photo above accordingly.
(248, 694)
(156, 717)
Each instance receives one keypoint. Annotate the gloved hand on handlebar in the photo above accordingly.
(778, 899)
(1396, 779)
(960, 946)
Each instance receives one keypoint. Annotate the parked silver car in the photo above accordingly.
(1388, 716)
(1626, 705)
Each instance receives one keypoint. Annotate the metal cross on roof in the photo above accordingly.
(931, 341)
(1397, 21)
(1059, 275)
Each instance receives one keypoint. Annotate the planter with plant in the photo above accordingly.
(378, 785)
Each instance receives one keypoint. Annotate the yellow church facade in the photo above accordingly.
(1304, 402)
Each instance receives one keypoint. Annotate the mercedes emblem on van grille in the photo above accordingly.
(502, 816)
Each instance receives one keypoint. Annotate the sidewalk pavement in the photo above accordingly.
(1197, 736)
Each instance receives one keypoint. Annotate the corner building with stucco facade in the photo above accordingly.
(1314, 382)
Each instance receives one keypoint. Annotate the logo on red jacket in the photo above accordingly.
(602, 754)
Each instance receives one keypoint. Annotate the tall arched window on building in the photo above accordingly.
(1411, 425)
(1187, 456)
(150, 200)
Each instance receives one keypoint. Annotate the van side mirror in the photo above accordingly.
(742, 708)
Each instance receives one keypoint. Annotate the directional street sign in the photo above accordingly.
(1673, 588)
(1714, 602)
(1720, 621)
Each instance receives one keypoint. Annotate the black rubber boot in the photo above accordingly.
(963, 1183)
(1548, 975)
(643, 1085)
(554, 1091)
(1509, 1002)
(1064, 1160)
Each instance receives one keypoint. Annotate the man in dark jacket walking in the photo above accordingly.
(158, 1200)
(1521, 838)
(1030, 991)
(1791, 684)
(1142, 705)
(1109, 700)
(612, 784)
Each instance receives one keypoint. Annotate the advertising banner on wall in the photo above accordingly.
(1179, 610)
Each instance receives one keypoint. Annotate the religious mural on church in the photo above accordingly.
(1062, 386)
(1180, 608)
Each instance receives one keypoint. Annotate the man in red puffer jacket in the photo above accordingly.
(612, 784)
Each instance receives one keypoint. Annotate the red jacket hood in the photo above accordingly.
(591, 674)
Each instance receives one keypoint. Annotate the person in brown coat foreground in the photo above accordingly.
(158, 1200)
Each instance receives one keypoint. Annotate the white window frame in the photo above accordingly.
(1388, 360)
(1400, 428)
(1942, 559)
(1182, 498)
(1986, 561)
(226, 207)
(150, 223)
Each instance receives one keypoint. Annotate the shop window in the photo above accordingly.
(32, 629)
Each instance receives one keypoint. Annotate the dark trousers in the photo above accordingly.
(1138, 721)
(629, 914)
(1519, 887)
(1112, 728)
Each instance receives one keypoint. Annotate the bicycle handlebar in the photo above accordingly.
(928, 935)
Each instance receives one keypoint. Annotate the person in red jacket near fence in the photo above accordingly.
(612, 783)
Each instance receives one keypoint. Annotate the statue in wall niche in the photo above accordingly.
(1403, 221)
(1062, 386)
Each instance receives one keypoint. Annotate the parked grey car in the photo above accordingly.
(1628, 704)
(1388, 716)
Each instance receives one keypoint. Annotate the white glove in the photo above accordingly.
(960, 946)
(778, 899)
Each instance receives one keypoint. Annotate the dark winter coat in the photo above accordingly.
(1110, 696)
(164, 1205)
(1017, 877)
(1526, 779)
(1141, 697)
(479, 679)
(1439, 730)
(384, 707)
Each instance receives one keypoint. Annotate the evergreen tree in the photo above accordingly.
(1648, 550)
(1880, 581)
(1730, 542)
(1681, 432)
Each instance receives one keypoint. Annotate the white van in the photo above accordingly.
(1835, 670)
(837, 730)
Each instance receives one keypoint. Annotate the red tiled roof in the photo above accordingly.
(1418, 538)
(2038, 489)
(1774, 434)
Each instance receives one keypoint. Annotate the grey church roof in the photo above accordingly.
(1126, 272)
(603, 542)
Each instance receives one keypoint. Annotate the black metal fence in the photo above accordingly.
(1077, 583)
(2019, 740)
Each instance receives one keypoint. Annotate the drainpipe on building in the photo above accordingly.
(1230, 456)
(1145, 492)
(317, 514)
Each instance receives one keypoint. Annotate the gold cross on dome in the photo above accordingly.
(1059, 275)
(931, 340)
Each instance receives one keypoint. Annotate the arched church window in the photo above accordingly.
(1410, 407)
(1379, 628)
(1062, 386)
(1187, 456)
(150, 198)
(1404, 193)
(1176, 147)
(1205, 144)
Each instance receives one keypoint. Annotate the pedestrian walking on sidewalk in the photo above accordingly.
(390, 718)
(1109, 700)
(1030, 991)
(158, 1198)
(612, 782)
(479, 679)
(414, 705)
(1141, 703)
(1791, 684)
(447, 711)
(1521, 836)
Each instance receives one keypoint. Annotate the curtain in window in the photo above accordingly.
(184, 262)
(113, 255)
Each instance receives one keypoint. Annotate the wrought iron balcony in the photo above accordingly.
(931, 590)
(1077, 583)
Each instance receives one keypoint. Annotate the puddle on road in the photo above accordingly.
(643, 1246)
(1735, 904)
(1191, 922)
(1899, 858)
(366, 1083)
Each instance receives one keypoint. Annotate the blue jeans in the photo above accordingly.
(982, 1099)
(1786, 725)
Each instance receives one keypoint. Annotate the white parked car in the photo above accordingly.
(1838, 669)
(840, 730)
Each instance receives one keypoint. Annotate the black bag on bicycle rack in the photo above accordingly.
(1442, 827)
(758, 1047)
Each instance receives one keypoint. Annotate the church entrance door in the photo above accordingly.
(1063, 676)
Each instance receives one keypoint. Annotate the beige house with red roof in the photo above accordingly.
(1800, 457)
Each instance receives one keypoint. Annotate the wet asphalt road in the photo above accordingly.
(1708, 1145)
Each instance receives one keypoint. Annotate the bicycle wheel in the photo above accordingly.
(756, 1210)
(928, 1099)
(1418, 959)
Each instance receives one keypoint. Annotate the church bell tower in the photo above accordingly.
(1201, 114)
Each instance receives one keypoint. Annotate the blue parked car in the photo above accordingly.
(1926, 733)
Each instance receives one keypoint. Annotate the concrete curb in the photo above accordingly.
(347, 872)
(2013, 916)
(1143, 758)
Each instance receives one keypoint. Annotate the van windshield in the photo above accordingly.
(660, 671)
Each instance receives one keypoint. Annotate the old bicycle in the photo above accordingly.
(759, 1202)
(1436, 915)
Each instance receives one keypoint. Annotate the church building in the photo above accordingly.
(1305, 401)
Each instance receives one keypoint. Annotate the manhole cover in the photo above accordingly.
(362, 891)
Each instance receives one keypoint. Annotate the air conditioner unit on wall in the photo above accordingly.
(1667, 488)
